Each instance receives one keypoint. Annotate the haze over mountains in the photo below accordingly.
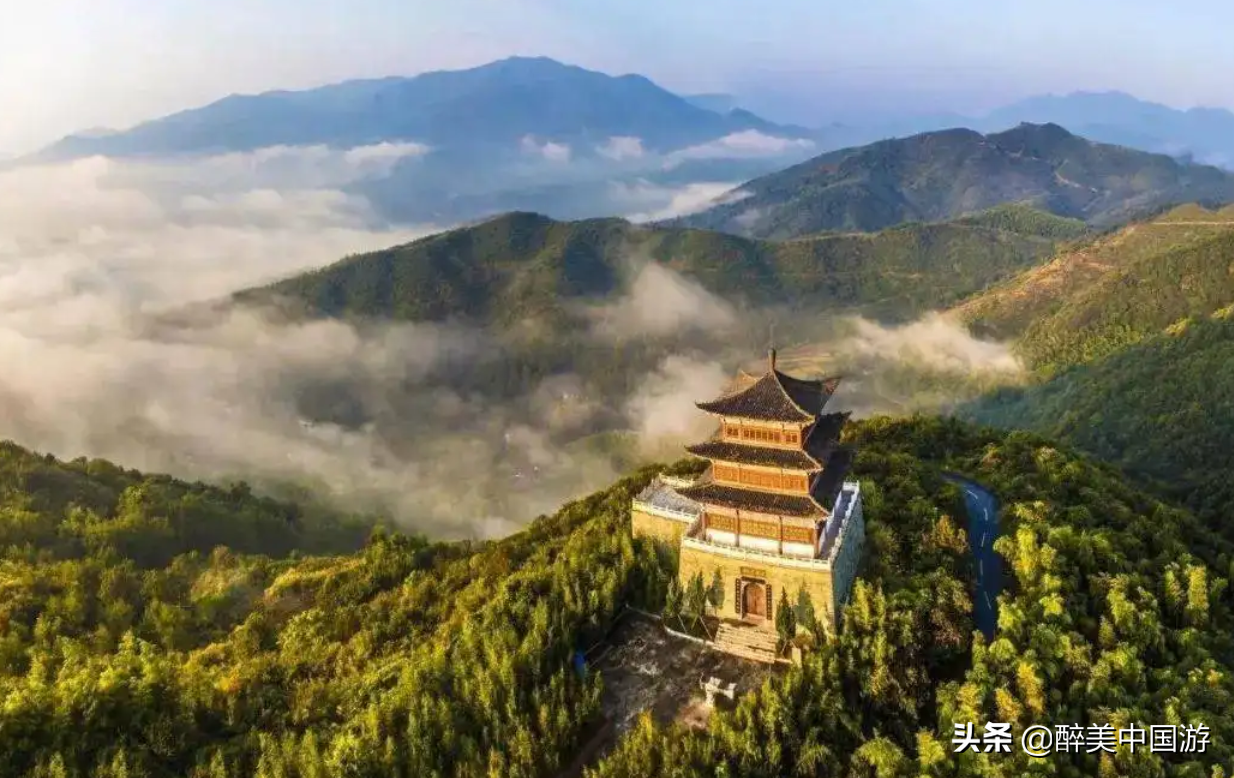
(520, 133)
(496, 104)
(533, 134)
(520, 267)
(1205, 134)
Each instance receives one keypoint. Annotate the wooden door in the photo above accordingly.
(754, 600)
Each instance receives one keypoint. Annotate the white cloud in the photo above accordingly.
(932, 341)
(663, 410)
(274, 167)
(553, 152)
(659, 303)
(89, 249)
(95, 253)
(645, 202)
(746, 144)
(748, 218)
(622, 147)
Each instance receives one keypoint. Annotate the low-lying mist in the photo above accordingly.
(449, 429)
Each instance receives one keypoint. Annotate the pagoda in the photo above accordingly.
(774, 512)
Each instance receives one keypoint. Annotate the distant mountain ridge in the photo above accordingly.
(1207, 134)
(497, 103)
(1203, 133)
(941, 175)
(531, 133)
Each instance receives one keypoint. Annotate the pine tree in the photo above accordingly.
(805, 613)
(715, 595)
(696, 598)
(786, 619)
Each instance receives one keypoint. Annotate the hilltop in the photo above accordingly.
(941, 175)
(524, 265)
(1204, 133)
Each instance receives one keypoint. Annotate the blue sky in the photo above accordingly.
(73, 64)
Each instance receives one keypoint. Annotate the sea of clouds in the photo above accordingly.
(93, 252)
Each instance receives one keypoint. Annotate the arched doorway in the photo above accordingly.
(754, 600)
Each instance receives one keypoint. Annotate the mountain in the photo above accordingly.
(1130, 340)
(498, 104)
(714, 101)
(1202, 133)
(941, 175)
(413, 658)
(1161, 408)
(604, 305)
(523, 265)
(1207, 134)
(447, 147)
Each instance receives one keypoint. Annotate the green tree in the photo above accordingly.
(786, 619)
(695, 601)
(715, 593)
(805, 613)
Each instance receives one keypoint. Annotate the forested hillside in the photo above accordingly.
(1136, 302)
(1163, 409)
(417, 659)
(524, 265)
(53, 510)
(1130, 338)
(1009, 308)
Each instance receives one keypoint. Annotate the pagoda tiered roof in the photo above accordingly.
(823, 492)
(798, 505)
(821, 440)
(774, 397)
(728, 451)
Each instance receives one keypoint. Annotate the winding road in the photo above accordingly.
(982, 508)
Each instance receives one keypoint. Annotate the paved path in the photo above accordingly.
(982, 508)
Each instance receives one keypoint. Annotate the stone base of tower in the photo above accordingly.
(753, 582)
(753, 585)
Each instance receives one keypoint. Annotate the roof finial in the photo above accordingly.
(771, 346)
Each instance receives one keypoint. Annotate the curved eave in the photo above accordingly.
(734, 497)
(706, 450)
(777, 375)
(801, 417)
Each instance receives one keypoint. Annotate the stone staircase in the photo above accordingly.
(751, 643)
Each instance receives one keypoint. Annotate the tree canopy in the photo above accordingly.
(412, 658)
